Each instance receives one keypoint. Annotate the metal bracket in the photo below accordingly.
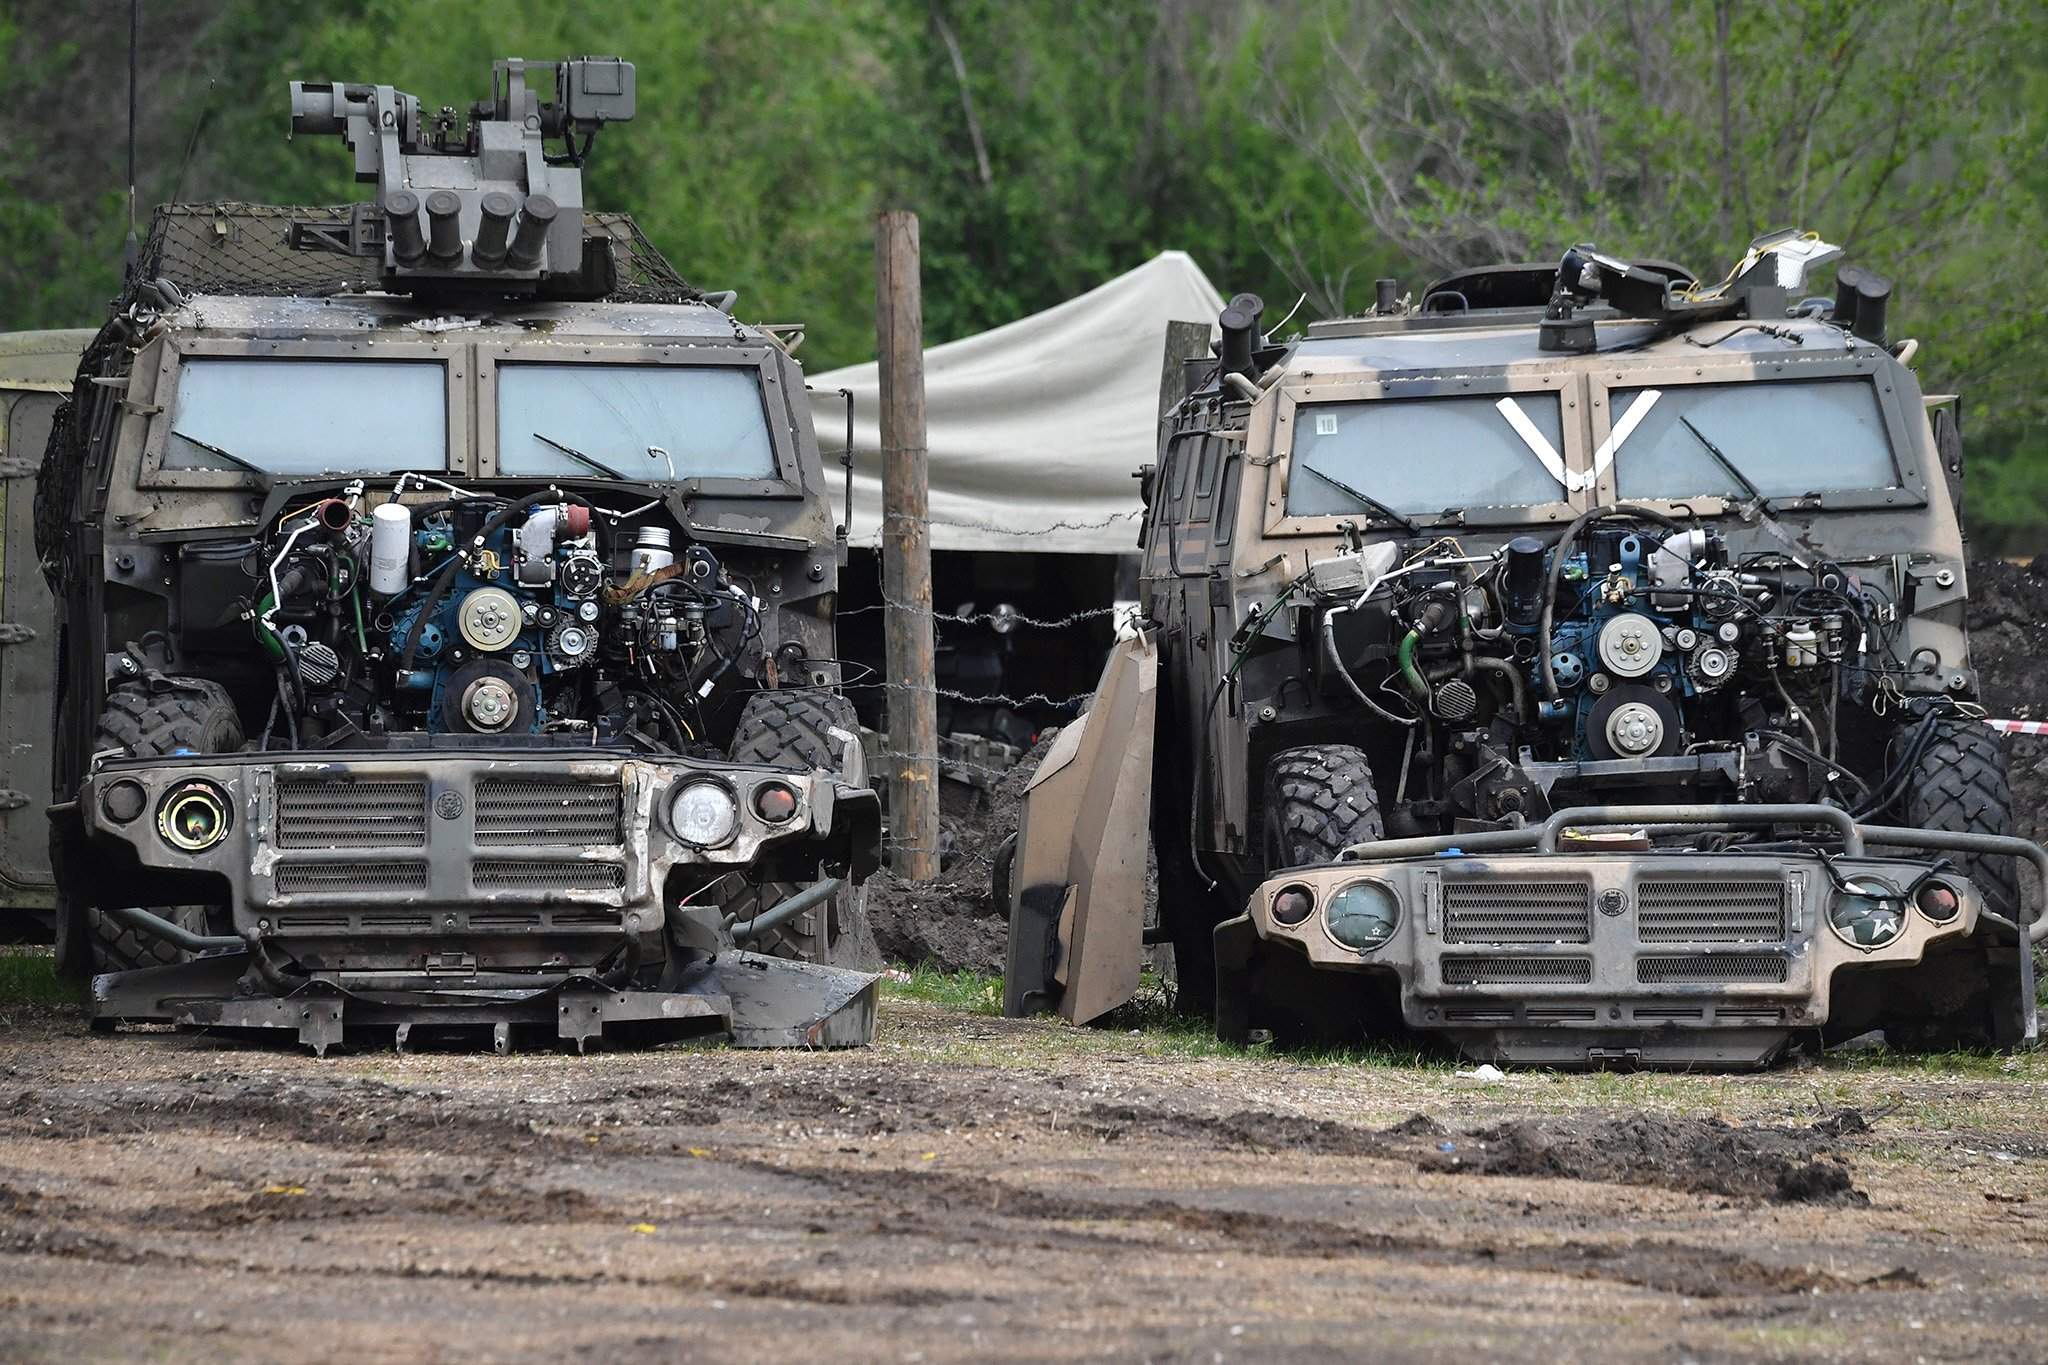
(15, 633)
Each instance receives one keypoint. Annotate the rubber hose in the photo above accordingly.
(1416, 682)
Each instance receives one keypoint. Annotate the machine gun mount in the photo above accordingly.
(485, 207)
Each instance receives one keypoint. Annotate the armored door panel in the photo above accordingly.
(28, 659)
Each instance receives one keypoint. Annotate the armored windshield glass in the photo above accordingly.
(301, 416)
(1423, 455)
(1788, 438)
(709, 419)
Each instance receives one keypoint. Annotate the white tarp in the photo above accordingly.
(1035, 428)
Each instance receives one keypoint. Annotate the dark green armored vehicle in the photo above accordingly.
(446, 593)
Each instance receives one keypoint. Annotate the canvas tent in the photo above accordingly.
(1035, 427)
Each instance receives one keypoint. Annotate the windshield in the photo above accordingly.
(1423, 455)
(708, 418)
(1787, 438)
(296, 416)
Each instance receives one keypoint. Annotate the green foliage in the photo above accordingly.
(967, 992)
(28, 976)
(1292, 146)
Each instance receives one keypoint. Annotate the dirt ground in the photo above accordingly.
(975, 1188)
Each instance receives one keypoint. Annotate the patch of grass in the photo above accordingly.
(29, 977)
(968, 992)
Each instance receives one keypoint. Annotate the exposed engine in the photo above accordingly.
(488, 615)
(1633, 654)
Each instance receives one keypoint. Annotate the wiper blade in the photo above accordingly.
(582, 459)
(1367, 499)
(214, 450)
(1755, 494)
(1759, 508)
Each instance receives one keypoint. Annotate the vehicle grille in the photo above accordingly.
(347, 812)
(1515, 971)
(526, 811)
(1681, 910)
(349, 879)
(1728, 967)
(1512, 911)
(567, 875)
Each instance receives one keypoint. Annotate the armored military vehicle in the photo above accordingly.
(447, 602)
(1571, 665)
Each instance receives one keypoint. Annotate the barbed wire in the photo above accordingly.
(944, 761)
(978, 698)
(984, 617)
(994, 528)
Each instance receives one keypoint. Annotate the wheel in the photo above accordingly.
(1967, 992)
(786, 729)
(1320, 800)
(192, 716)
(791, 729)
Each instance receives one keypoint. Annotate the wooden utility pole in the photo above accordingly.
(913, 736)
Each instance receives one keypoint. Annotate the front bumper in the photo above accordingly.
(435, 861)
(1534, 954)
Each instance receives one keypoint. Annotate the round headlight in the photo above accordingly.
(1937, 900)
(193, 817)
(1362, 915)
(774, 802)
(703, 813)
(1292, 904)
(1868, 912)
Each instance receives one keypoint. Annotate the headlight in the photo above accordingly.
(775, 802)
(1937, 900)
(193, 817)
(703, 813)
(1292, 905)
(1363, 915)
(1867, 912)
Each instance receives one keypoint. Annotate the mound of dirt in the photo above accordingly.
(953, 923)
(2008, 640)
(1694, 1156)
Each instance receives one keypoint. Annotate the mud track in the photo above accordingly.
(976, 1188)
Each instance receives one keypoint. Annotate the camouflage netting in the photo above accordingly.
(233, 248)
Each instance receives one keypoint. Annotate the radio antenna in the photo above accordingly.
(134, 42)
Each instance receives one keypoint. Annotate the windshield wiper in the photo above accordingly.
(1759, 508)
(214, 450)
(582, 459)
(1756, 497)
(1371, 502)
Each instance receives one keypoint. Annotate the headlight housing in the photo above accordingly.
(194, 816)
(1868, 912)
(703, 813)
(1362, 915)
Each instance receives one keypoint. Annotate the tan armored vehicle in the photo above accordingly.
(1570, 665)
(446, 592)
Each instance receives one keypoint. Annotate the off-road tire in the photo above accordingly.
(1969, 992)
(792, 729)
(192, 715)
(1320, 800)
